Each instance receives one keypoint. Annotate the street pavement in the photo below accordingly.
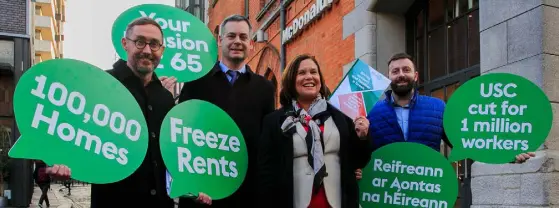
(59, 198)
(80, 197)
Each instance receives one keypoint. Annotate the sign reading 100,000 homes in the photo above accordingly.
(301, 22)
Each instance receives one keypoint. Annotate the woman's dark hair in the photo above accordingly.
(288, 91)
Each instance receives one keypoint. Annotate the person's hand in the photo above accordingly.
(361, 126)
(169, 83)
(521, 158)
(204, 199)
(359, 174)
(59, 172)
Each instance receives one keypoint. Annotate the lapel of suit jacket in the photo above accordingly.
(329, 128)
(338, 120)
(301, 132)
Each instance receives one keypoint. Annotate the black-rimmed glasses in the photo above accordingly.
(141, 44)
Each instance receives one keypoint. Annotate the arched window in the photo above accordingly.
(270, 76)
(216, 32)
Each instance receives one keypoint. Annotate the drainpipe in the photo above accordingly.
(282, 26)
(246, 8)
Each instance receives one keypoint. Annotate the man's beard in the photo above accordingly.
(144, 70)
(237, 60)
(402, 90)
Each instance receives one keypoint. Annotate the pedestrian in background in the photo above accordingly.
(43, 180)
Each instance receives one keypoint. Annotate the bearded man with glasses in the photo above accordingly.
(146, 186)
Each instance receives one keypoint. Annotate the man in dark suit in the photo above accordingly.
(247, 97)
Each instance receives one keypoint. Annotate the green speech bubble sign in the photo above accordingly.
(73, 113)
(203, 150)
(190, 47)
(405, 174)
(494, 117)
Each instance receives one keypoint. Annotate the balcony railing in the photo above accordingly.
(43, 21)
(47, 26)
(48, 7)
(45, 48)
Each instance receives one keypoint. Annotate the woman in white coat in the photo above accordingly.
(309, 151)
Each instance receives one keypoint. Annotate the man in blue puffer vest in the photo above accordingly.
(405, 115)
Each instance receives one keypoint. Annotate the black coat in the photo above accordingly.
(247, 102)
(146, 186)
(275, 160)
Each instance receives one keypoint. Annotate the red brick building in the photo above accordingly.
(321, 36)
(443, 36)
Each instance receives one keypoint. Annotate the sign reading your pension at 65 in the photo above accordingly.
(496, 116)
(73, 113)
(190, 47)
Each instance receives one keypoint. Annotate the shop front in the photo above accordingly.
(15, 58)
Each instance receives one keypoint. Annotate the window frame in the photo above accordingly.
(191, 6)
(411, 17)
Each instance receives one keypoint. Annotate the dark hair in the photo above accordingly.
(234, 18)
(142, 21)
(288, 91)
(399, 56)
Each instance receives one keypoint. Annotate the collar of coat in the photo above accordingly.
(123, 72)
(216, 70)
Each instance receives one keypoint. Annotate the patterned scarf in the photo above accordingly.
(315, 116)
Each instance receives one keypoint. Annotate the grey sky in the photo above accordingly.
(87, 32)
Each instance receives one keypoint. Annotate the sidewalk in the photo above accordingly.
(80, 197)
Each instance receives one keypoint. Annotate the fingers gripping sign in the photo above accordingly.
(60, 172)
(362, 126)
(168, 83)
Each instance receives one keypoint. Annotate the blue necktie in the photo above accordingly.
(234, 75)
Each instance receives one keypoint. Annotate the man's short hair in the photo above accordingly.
(234, 18)
(142, 21)
(399, 56)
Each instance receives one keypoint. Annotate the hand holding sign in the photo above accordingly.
(406, 174)
(203, 149)
(73, 113)
(190, 47)
(494, 117)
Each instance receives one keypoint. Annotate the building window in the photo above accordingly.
(445, 37)
(194, 7)
(38, 10)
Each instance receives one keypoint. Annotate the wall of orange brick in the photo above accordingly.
(322, 37)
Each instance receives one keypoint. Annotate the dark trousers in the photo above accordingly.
(44, 189)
